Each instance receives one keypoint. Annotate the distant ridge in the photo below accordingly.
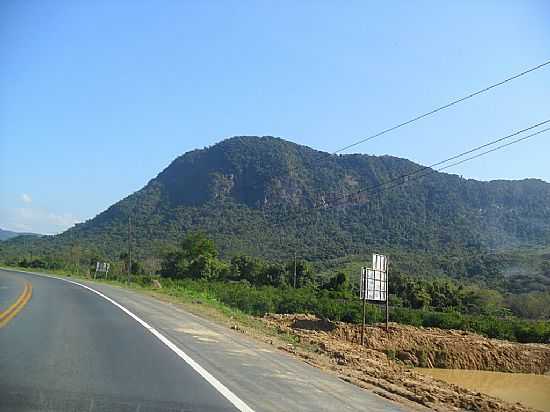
(255, 195)
(8, 234)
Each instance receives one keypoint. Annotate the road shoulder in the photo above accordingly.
(245, 356)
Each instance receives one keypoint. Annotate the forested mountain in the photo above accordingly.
(8, 234)
(267, 197)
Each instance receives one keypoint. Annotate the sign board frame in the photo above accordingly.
(102, 267)
(379, 262)
(374, 286)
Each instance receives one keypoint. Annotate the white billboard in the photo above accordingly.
(379, 262)
(102, 267)
(376, 285)
(374, 282)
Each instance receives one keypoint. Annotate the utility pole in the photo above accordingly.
(295, 269)
(77, 259)
(129, 247)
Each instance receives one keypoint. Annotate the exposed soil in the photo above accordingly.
(438, 348)
(384, 362)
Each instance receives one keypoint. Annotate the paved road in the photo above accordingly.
(68, 349)
(11, 288)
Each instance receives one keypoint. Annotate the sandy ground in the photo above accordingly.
(384, 363)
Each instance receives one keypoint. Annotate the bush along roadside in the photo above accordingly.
(258, 301)
(256, 287)
(333, 305)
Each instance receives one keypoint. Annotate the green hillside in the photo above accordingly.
(263, 196)
(8, 234)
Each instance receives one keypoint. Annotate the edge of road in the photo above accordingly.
(220, 387)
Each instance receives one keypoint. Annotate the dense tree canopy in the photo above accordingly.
(238, 211)
(266, 197)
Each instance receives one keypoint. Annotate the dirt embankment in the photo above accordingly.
(438, 348)
(382, 363)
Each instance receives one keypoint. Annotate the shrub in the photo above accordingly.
(258, 300)
(443, 320)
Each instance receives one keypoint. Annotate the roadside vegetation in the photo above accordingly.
(256, 287)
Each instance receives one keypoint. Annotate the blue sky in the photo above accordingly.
(97, 97)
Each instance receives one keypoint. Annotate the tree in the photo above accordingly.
(246, 268)
(136, 269)
(533, 305)
(196, 259)
(419, 297)
(197, 244)
(338, 282)
(273, 274)
(304, 273)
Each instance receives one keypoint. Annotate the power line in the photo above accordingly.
(403, 179)
(446, 106)
(466, 160)
(495, 149)
(454, 157)
(431, 171)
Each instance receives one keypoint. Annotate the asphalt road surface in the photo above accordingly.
(65, 348)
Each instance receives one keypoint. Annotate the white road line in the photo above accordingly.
(220, 387)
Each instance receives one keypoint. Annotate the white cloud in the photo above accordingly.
(26, 198)
(36, 220)
(64, 220)
(21, 227)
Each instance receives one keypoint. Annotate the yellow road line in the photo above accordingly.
(17, 306)
(16, 303)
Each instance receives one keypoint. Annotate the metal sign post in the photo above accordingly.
(102, 267)
(387, 295)
(374, 286)
(364, 299)
(380, 263)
